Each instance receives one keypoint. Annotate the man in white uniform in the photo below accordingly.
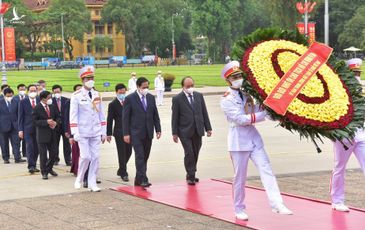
(159, 87)
(88, 127)
(342, 156)
(244, 142)
(132, 86)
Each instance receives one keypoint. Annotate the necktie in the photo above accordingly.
(144, 103)
(8, 103)
(59, 104)
(47, 110)
(33, 103)
(21, 97)
(241, 94)
(90, 95)
(191, 101)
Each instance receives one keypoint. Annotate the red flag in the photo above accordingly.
(4, 7)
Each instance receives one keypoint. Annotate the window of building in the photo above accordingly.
(99, 27)
(110, 28)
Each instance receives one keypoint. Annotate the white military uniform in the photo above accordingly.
(88, 125)
(132, 84)
(341, 156)
(160, 88)
(244, 143)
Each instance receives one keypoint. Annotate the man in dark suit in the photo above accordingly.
(189, 121)
(115, 113)
(61, 105)
(26, 127)
(22, 90)
(45, 119)
(140, 118)
(9, 126)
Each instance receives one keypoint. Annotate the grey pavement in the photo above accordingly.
(287, 153)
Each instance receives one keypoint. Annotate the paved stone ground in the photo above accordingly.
(112, 210)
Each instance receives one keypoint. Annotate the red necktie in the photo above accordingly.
(33, 104)
(47, 110)
(59, 104)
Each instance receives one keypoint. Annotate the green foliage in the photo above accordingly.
(102, 42)
(354, 31)
(168, 76)
(339, 66)
(37, 56)
(76, 19)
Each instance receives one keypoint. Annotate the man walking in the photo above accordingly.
(46, 119)
(132, 83)
(140, 119)
(26, 127)
(88, 127)
(61, 103)
(189, 122)
(115, 113)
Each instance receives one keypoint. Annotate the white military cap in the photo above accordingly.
(133, 74)
(159, 72)
(354, 64)
(232, 67)
(86, 71)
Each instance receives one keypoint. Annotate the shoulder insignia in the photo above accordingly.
(77, 92)
(226, 94)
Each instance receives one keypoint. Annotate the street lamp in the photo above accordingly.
(326, 23)
(3, 68)
(173, 37)
(63, 37)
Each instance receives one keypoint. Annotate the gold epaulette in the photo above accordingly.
(76, 92)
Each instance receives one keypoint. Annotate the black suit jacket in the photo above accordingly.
(115, 113)
(44, 133)
(186, 120)
(65, 104)
(25, 121)
(137, 122)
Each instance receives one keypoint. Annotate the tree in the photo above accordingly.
(76, 19)
(33, 25)
(354, 31)
(101, 43)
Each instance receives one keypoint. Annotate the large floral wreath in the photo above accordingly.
(330, 104)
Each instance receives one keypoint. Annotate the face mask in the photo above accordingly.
(190, 90)
(237, 83)
(32, 94)
(22, 93)
(121, 96)
(90, 84)
(144, 91)
(57, 95)
(49, 101)
(9, 99)
(159, 75)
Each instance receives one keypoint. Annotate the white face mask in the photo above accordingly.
(32, 94)
(22, 93)
(49, 101)
(190, 90)
(90, 84)
(237, 83)
(159, 75)
(57, 95)
(9, 99)
(143, 91)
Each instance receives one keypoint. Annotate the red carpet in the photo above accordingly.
(214, 198)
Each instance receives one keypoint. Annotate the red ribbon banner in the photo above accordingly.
(296, 78)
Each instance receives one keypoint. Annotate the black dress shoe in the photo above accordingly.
(98, 181)
(45, 176)
(191, 182)
(145, 184)
(36, 170)
(31, 170)
(20, 161)
(125, 178)
(6, 162)
(191, 177)
(196, 179)
(53, 173)
(68, 163)
(85, 185)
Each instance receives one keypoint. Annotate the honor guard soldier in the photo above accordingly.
(342, 154)
(245, 142)
(88, 127)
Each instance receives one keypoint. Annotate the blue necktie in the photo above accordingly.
(8, 103)
(144, 103)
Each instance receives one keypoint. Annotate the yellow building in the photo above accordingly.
(85, 48)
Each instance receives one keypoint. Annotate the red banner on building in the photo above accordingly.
(9, 44)
(295, 79)
(311, 30)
